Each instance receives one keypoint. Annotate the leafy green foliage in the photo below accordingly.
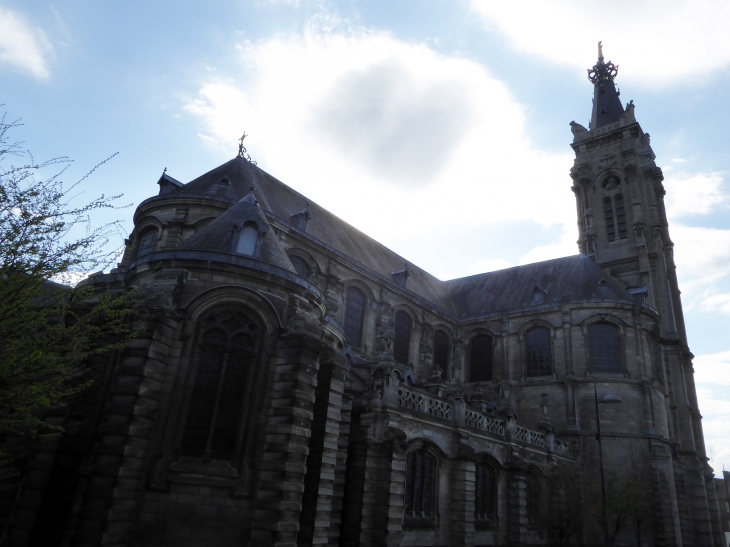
(51, 327)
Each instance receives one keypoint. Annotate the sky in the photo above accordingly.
(393, 115)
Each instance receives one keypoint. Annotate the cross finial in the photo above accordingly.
(241, 149)
(600, 51)
(164, 170)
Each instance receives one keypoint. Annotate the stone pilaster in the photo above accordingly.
(338, 487)
(281, 481)
(461, 505)
(517, 520)
(666, 521)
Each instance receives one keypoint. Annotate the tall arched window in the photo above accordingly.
(539, 360)
(354, 313)
(247, 239)
(655, 349)
(480, 364)
(420, 487)
(485, 494)
(227, 349)
(401, 345)
(604, 345)
(441, 352)
(147, 240)
(300, 265)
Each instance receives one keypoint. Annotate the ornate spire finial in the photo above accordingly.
(242, 149)
(602, 70)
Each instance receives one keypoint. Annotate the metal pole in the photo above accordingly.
(607, 537)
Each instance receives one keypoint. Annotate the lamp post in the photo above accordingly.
(608, 399)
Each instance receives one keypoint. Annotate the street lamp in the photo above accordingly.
(607, 400)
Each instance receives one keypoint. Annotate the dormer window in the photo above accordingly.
(247, 239)
(401, 276)
(300, 218)
(147, 241)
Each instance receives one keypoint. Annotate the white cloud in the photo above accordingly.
(712, 378)
(565, 247)
(713, 369)
(716, 302)
(398, 140)
(688, 194)
(23, 46)
(702, 256)
(656, 41)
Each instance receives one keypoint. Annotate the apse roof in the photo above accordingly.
(563, 280)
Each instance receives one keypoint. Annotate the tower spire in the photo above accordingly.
(607, 106)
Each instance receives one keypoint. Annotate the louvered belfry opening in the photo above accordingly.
(226, 352)
(610, 222)
(539, 360)
(604, 342)
(354, 314)
(481, 359)
(401, 345)
(419, 502)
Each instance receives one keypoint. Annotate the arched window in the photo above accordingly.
(354, 313)
(538, 352)
(485, 494)
(441, 352)
(247, 239)
(227, 349)
(480, 364)
(146, 243)
(420, 487)
(610, 221)
(401, 345)
(604, 344)
(535, 495)
(300, 265)
(655, 349)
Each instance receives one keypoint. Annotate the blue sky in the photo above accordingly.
(391, 114)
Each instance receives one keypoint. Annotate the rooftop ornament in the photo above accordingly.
(601, 70)
(242, 149)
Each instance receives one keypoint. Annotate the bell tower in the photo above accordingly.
(620, 200)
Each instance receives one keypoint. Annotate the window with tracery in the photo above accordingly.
(147, 241)
(480, 363)
(441, 351)
(604, 346)
(402, 342)
(354, 314)
(420, 487)
(539, 360)
(485, 494)
(227, 350)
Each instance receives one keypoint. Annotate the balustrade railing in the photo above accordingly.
(439, 408)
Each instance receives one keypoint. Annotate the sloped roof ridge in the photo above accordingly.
(518, 267)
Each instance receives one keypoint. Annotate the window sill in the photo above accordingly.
(195, 471)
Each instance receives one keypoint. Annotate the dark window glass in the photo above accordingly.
(401, 345)
(605, 347)
(441, 352)
(147, 242)
(620, 216)
(485, 494)
(656, 357)
(539, 355)
(481, 359)
(610, 223)
(226, 349)
(300, 265)
(354, 312)
(420, 482)
(534, 496)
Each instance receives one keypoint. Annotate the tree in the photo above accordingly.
(561, 505)
(51, 325)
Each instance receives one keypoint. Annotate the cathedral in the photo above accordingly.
(293, 382)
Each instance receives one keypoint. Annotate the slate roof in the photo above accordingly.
(565, 280)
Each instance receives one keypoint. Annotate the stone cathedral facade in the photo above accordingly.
(294, 382)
